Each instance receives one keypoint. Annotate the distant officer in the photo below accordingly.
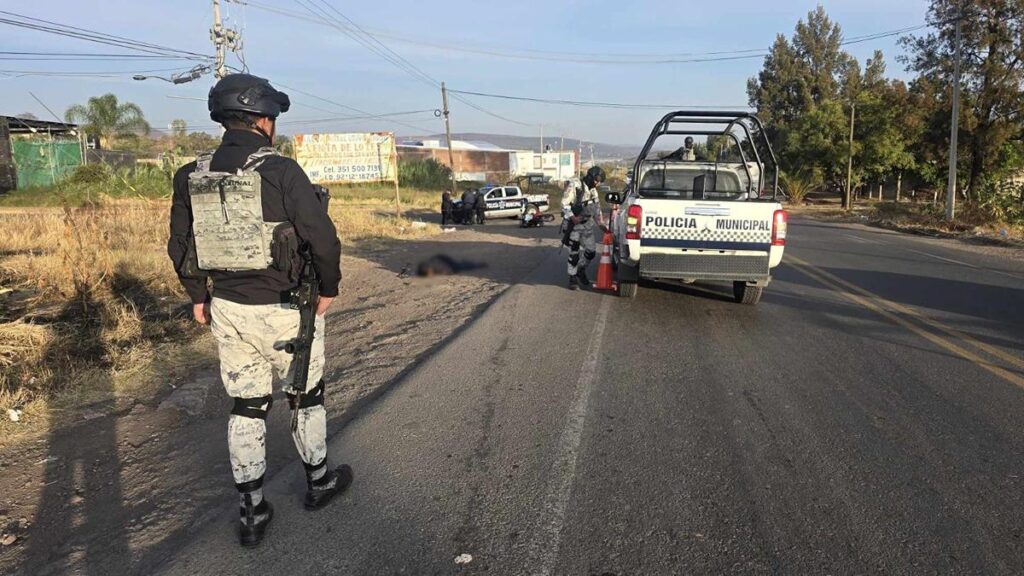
(685, 153)
(237, 218)
(481, 207)
(446, 207)
(581, 208)
(468, 206)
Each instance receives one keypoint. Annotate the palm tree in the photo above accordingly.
(105, 117)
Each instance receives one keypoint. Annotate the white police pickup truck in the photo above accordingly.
(686, 218)
(509, 201)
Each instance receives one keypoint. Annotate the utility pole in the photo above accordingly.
(951, 192)
(223, 39)
(448, 134)
(849, 165)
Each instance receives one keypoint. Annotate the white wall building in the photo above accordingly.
(552, 165)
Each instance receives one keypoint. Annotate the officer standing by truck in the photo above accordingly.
(481, 207)
(581, 210)
(237, 219)
(446, 208)
(468, 208)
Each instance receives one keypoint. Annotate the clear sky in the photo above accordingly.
(318, 58)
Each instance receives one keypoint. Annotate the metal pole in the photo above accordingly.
(849, 165)
(394, 157)
(217, 35)
(951, 191)
(448, 134)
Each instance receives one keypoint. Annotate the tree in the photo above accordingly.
(179, 128)
(284, 145)
(197, 143)
(992, 71)
(109, 119)
(799, 94)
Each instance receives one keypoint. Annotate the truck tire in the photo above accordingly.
(746, 294)
(627, 289)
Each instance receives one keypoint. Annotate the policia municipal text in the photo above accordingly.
(238, 219)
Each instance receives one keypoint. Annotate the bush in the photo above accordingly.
(1003, 202)
(427, 173)
(90, 174)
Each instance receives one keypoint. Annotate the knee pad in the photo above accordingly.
(314, 397)
(574, 258)
(589, 254)
(253, 407)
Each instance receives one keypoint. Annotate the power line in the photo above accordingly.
(368, 41)
(583, 57)
(48, 26)
(82, 56)
(591, 104)
(344, 106)
(72, 74)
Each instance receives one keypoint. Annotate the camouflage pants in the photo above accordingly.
(582, 236)
(249, 342)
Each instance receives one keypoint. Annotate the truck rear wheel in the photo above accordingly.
(745, 293)
(627, 289)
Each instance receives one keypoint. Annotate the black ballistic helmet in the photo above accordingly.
(595, 174)
(246, 93)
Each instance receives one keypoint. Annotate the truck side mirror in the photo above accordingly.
(613, 198)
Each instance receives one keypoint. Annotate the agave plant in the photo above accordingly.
(799, 183)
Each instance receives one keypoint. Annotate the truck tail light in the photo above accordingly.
(633, 216)
(780, 221)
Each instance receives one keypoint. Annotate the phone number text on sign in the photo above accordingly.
(359, 157)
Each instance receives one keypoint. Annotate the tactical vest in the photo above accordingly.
(227, 216)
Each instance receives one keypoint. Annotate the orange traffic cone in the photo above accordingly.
(605, 272)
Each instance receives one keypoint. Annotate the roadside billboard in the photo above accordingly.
(347, 158)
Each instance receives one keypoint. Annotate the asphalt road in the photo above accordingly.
(867, 416)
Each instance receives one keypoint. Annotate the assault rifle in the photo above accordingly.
(304, 298)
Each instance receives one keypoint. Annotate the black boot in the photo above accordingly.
(332, 483)
(255, 520)
(581, 274)
(574, 282)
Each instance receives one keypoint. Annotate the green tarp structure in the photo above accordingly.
(45, 162)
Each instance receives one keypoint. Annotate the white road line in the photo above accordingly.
(543, 551)
(969, 265)
(863, 240)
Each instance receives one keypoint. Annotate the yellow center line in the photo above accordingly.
(877, 304)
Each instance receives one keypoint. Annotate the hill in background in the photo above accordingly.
(601, 151)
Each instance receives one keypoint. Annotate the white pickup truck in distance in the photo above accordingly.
(510, 201)
(686, 218)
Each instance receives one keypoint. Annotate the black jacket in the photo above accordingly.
(287, 195)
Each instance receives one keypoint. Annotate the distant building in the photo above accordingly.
(553, 166)
(36, 152)
(484, 162)
(474, 161)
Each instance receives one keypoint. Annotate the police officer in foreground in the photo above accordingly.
(237, 219)
(581, 210)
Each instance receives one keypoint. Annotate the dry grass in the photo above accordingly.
(91, 310)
